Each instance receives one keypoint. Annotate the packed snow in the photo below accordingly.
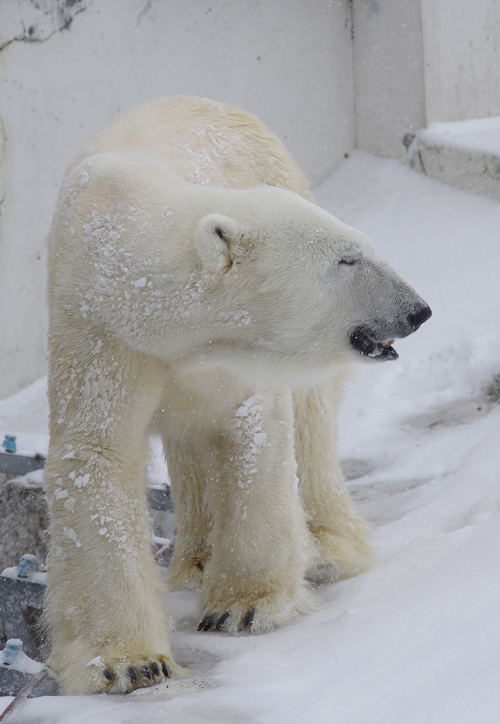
(416, 638)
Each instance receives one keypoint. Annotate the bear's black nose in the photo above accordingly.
(418, 318)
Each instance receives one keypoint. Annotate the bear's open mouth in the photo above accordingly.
(364, 343)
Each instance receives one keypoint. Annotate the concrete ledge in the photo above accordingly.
(18, 597)
(24, 518)
(465, 154)
(12, 681)
(13, 464)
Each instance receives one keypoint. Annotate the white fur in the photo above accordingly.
(196, 290)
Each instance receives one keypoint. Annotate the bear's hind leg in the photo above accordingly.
(339, 533)
(180, 423)
(192, 547)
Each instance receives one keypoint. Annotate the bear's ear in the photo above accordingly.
(213, 238)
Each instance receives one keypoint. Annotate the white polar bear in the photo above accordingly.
(196, 291)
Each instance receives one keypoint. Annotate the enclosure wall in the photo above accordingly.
(67, 68)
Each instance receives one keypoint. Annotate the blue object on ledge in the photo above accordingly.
(9, 444)
(26, 565)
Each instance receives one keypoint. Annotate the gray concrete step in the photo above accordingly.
(465, 154)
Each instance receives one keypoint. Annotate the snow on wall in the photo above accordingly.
(68, 67)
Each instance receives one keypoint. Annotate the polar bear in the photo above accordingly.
(196, 291)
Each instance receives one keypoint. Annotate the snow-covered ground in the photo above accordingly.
(417, 638)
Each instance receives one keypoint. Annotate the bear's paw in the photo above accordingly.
(186, 572)
(123, 674)
(339, 555)
(257, 614)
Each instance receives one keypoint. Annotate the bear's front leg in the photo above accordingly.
(254, 579)
(104, 608)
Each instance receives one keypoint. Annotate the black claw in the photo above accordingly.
(165, 669)
(202, 623)
(210, 621)
(108, 675)
(220, 623)
(155, 669)
(146, 671)
(247, 621)
(206, 623)
(132, 674)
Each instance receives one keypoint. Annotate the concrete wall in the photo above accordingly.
(389, 74)
(67, 67)
(325, 75)
(420, 61)
(461, 40)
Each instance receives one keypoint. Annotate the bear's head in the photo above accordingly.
(297, 290)
(260, 280)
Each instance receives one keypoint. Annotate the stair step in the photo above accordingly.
(465, 154)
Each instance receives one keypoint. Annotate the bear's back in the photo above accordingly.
(203, 142)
